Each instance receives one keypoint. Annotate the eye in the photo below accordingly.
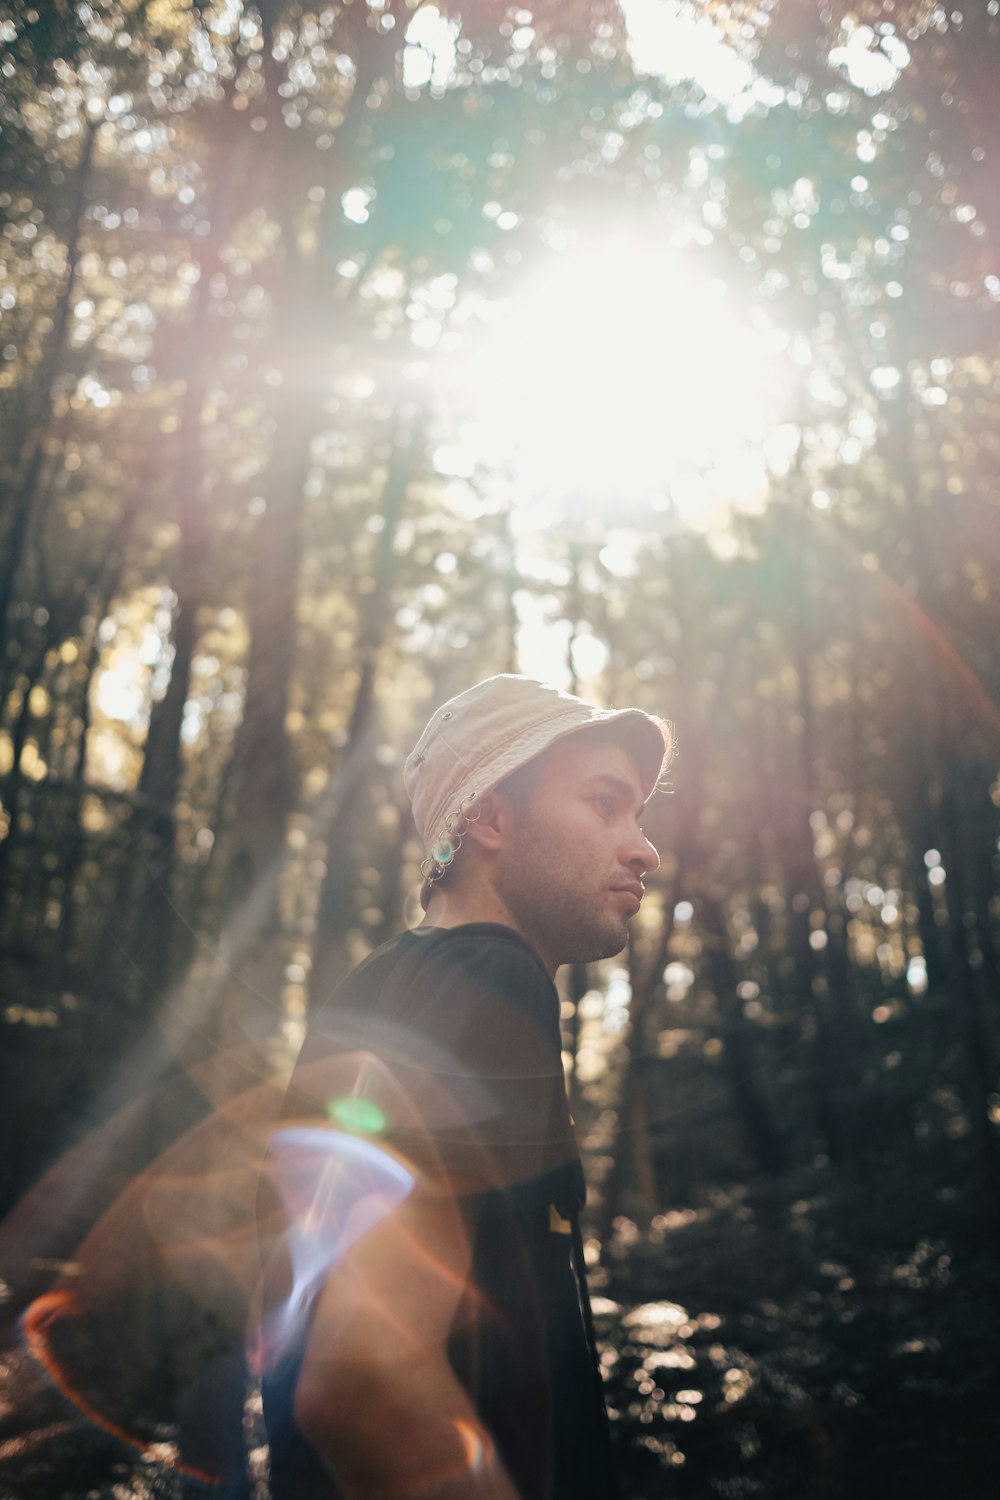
(606, 804)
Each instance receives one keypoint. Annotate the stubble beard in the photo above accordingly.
(567, 918)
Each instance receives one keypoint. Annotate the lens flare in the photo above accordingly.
(36, 1324)
(476, 1443)
(333, 1189)
(358, 1115)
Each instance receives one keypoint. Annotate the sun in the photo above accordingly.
(622, 378)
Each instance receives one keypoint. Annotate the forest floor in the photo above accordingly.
(835, 1342)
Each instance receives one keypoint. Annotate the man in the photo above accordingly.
(427, 1326)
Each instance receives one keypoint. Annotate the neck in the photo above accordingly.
(469, 902)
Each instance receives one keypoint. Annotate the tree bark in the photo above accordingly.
(738, 1051)
(336, 904)
(159, 944)
(264, 777)
(29, 467)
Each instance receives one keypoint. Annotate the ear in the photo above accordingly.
(489, 827)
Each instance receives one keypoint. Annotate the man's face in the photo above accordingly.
(571, 871)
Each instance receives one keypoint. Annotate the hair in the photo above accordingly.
(518, 788)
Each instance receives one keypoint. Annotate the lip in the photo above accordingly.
(633, 891)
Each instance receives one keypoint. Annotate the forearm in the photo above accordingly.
(406, 1433)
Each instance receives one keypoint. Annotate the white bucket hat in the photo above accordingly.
(477, 739)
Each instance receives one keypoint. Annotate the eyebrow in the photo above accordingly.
(624, 790)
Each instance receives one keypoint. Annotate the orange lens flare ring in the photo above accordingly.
(37, 1320)
(477, 1444)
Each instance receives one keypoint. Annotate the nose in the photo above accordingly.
(640, 855)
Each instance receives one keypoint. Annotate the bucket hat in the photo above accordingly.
(477, 739)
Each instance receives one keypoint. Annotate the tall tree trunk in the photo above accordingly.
(264, 779)
(980, 1063)
(158, 948)
(78, 779)
(89, 663)
(13, 791)
(824, 984)
(633, 1160)
(29, 466)
(829, 1042)
(632, 1155)
(336, 904)
(943, 714)
(738, 1050)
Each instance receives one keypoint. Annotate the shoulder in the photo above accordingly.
(486, 971)
(478, 958)
(484, 950)
(471, 986)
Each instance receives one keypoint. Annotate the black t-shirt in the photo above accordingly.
(441, 1053)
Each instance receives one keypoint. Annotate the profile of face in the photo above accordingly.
(570, 870)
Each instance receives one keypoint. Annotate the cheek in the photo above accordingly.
(598, 855)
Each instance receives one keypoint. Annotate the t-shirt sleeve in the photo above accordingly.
(490, 1019)
(456, 1065)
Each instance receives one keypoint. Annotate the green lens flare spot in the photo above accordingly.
(358, 1115)
(443, 853)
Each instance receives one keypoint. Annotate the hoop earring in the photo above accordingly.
(444, 852)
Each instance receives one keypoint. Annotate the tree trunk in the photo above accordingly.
(738, 1053)
(13, 791)
(632, 1156)
(158, 948)
(822, 988)
(980, 1065)
(29, 466)
(336, 904)
(78, 774)
(263, 773)
(942, 809)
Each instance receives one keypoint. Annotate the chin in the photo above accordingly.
(596, 945)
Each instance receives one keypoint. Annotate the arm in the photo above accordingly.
(465, 1078)
(377, 1398)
